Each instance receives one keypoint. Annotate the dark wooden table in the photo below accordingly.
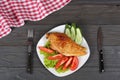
(89, 14)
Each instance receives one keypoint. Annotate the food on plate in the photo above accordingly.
(74, 33)
(50, 63)
(61, 62)
(68, 63)
(55, 57)
(58, 61)
(46, 49)
(62, 50)
(64, 44)
(75, 63)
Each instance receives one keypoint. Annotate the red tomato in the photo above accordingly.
(75, 63)
(45, 49)
(61, 62)
(67, 63)
(55, 57)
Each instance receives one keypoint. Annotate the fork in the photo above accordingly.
(30, 51)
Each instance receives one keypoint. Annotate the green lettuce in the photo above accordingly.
(59, 70)
(50, 63)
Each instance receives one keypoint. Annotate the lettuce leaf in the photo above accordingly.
(59, 70)
(50, 63)
(47, 45)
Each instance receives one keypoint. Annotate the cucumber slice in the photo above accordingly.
(78, 38)
(73, 32)
(73, 24)
(67, 26)
(67, 32)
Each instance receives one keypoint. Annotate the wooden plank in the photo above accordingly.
(81, 74)
(84, 14)
(96, 1)
(18, 36)
(16, 57)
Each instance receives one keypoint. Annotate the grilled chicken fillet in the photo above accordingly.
(65, 45)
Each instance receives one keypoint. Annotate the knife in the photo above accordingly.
(30, 51)
(100, 50)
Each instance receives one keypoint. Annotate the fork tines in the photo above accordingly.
(30, 34)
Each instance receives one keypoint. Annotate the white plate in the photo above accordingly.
(82, 59)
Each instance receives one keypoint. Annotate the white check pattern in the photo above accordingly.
(13, 13)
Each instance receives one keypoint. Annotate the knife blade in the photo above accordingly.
(30, 51)
(100, 50)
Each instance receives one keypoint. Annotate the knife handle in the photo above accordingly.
(101, 61)
(30, 59)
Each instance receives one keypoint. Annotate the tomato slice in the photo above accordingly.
(55, 57)
(67, 63)
(45, 49)
(61, 62)
(75, 63)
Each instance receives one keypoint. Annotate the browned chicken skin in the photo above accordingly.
(65, 45)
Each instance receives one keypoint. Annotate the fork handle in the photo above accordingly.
(101, 61)
(30, 59)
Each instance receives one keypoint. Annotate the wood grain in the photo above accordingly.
(83, 73)
(96, 1)
(18, 36)
(84, 14)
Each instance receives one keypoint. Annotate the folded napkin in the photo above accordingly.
(13, 13)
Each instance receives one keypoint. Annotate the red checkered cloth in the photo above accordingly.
(13, 13)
